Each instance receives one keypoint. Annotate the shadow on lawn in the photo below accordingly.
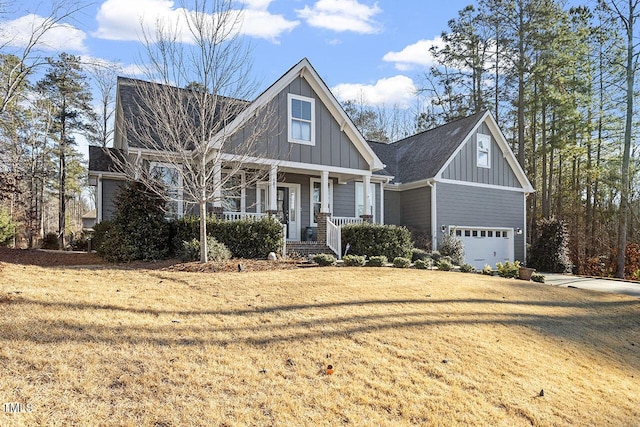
(614, 325)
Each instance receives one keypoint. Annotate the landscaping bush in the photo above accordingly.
(216, 251)
(452, 247)
(7, 228)
(375, 240)
(245, 239)
(467, 268)
(537, 277)
(50, 241)
(444, 265)
(354, 260)
(324, 260)
(487, 270)
(421, 254)
(435, 256)
(550, 251)
(422, 264)
(138, 230)
(400, 262)
(508, 270)
(377, 261)
(80, 243)
(421, 238)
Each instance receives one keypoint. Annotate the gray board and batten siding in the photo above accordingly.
(463, 167)
(332, 146)
(500, 208)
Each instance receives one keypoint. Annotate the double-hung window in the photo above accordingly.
(371, 198)
(170, 177)
(483, 151)
(301, 119)
(233, 192)
(316, 199)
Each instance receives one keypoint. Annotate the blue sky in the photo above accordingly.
(374, 50)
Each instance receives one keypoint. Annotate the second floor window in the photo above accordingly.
(301, 123)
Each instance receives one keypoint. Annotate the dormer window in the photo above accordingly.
(483, 151)
(301, 119)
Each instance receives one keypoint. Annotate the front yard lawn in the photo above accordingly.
(103, 345)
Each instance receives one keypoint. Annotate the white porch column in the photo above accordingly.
(366, 190)
(273, 184)
(217, 189)
(324, 192)
(381, 220)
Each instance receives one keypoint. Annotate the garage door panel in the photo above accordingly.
(486, 246)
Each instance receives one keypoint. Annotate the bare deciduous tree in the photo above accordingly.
(28, 53)
(203, 67)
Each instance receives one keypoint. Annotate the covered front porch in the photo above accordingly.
(311, 204)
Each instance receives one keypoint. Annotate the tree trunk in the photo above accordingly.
(624, 191)
(521, 41)
(203, 230)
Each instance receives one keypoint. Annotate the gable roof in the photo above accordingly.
(427, 154)
(421, 156)
(102, 159)
(135, 111)
(305, 70)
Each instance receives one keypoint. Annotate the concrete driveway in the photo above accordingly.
(594, 284)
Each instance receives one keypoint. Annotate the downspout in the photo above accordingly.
(434, 222)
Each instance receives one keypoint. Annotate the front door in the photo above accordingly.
(287, 206)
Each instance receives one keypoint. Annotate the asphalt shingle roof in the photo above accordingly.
(102, 159)
(421, 156)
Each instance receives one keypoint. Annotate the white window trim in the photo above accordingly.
(311, 202)
(372, 195)
(487, 140)
(243, 184)
(180, 200)
(290, 97)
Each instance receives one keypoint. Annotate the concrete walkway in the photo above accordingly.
(594, 284)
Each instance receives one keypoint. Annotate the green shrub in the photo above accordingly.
(421, 238)
(50, 241)
(354, 260)
(487, 270)
(435, 256)
(550, 251)
(444, 265)
(252, 239)
(216, 251)
(508, 270)
(138, 230)
(537, 277)
(421, 264)
(400, 262)
(324, 260)
(421, 254)
(7, 228)
(452, 246)
(377, 261)
(375, 240)
(467, 268)
(447, 259)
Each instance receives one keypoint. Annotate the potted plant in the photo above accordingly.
(525, 273)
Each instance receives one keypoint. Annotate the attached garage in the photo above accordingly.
(486, 245)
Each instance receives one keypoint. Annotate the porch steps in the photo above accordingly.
(302, 248)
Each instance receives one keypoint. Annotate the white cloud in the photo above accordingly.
(17, 33)
(124, 19)
(416, 54)
(342, 15)
(393, 91)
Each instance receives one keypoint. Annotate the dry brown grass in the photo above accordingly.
(122, 347)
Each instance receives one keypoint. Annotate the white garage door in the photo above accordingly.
(486, 245)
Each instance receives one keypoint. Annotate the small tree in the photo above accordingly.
(550, 251)
(453, 247)
(7, 228)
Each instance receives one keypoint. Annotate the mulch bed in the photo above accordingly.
(47, 258)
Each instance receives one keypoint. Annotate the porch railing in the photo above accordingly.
(238, 216)
(334, 237)
(344, 220)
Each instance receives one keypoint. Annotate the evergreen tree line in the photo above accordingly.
(560, 83)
